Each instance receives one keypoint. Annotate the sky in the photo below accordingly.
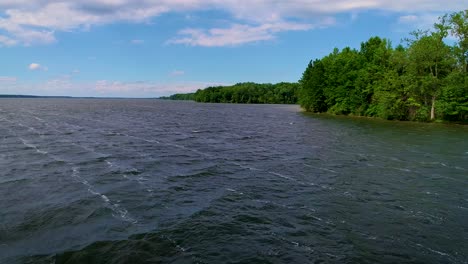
(152, 48)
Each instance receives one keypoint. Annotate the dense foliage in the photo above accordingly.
(187, 96)
(425, 80)
(250, 93)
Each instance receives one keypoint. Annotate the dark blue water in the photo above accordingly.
(147, 181)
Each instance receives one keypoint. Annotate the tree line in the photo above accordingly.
(179, 96)
(426, 79)
(250, 93)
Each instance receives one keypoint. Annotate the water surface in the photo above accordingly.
(148, 181)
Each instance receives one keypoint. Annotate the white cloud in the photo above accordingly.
(176, 73)
(29, 22)
(354, 16)
(24, 34)
(37, 67)
(8, 79)
(408, 19)
(237, 34)
(416, 21)
(67, 86)
(137, 41)
(6, 41)
(30, 37)
(34, 66)
(146, 89)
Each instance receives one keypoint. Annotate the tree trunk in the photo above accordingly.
(433, 108)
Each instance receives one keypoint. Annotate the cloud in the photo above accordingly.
(66, 85)
(235, 35)
(37, 67)
(137, 41)
(408, 19)
(29, 22)
(176, 73)
(34, 66)
(146, 89)
(6, 41)
(31, 37)
(416, 21)
(354, 16)
(8, 79)
(24, 34)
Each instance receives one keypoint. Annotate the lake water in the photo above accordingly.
(148, 181)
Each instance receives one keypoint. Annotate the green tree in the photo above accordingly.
(459, 29)
(312, 84)
(430, 61)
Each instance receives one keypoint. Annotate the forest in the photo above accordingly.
(250, 93)
(179, 96)
(423, 79)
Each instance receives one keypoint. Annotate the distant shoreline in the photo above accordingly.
(30, 96)
(8, 96)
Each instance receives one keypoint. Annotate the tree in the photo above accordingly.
(430, 61)
(312, 84)
(459, 29)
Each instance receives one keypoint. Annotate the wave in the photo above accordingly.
(29, 145)
(115, 207)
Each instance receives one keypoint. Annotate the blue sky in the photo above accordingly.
(149, 48)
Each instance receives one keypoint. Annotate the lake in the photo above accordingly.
(150, 181)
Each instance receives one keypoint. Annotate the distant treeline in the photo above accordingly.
(244, 93)
(29, 96)
(187, 96)
(250, 93)
(424, 80)
(17, 96)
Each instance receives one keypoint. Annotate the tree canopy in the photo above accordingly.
(250, 93)
(179, 96)
(424, 80)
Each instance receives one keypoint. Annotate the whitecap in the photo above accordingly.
(282, 176)
(234, 191)
(434, 251)
(105, 198)
(37, 118)
(29, 145)
(115, 207)
(404, 169)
